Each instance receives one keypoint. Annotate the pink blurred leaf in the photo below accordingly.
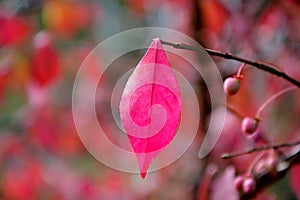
(45, 60)
(295, 179)
(14, 29)
(150, 106)
(203, 188)
(223, 186)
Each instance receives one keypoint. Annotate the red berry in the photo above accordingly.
(249, 125)
(231, 86)
(249, 185)
(238, 183)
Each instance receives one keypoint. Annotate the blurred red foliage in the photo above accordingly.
(42, 44)
(14, 30)
(45, 60)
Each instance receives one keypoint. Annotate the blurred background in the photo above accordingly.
(42, 44)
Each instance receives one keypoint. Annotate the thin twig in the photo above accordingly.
(277, 146)
(258, 64)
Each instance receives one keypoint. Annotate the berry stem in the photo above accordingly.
(234, 111)
(240, 70)
(253, 163)
(271, 68)
(273, 97)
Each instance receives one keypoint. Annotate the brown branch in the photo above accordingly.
(204, 97)
(257, 64)
(276, 146)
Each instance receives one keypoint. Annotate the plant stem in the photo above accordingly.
(240, 69)
(276, 146)
(234, 111)
(271, 68)
(254, 162)
(273, 97)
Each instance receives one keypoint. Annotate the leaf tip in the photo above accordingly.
(143, 175)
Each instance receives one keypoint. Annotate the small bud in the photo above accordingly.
(249, 185)
(238, 183)
(249, 125)
(266, 164)
(231, 86)
(260, 167)
(272, 160)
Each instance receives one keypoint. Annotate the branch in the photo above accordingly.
(267, 178)
(277, 146)
(257, 64)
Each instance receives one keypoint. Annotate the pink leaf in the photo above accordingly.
(295, 179)
(223, 186)
(150, 106)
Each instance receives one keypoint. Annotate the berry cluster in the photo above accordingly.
(246, 184)
(231, 87)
